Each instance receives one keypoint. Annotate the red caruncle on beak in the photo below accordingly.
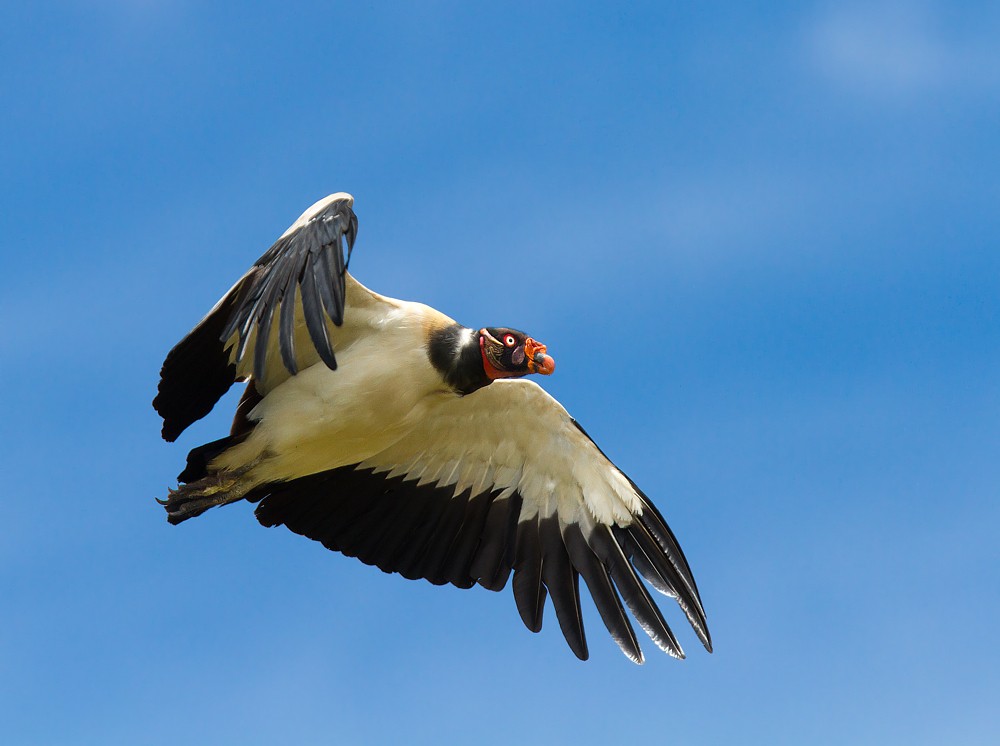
(538, 361)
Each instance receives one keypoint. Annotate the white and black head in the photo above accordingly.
(469, 360)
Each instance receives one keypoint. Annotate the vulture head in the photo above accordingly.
(468, 360)
(508, 353)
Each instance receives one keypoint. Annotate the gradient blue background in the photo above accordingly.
(761, 240)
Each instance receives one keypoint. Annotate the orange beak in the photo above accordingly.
(538, 361)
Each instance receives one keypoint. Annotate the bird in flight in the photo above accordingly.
(389, 432)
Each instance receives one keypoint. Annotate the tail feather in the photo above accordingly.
(199, 458)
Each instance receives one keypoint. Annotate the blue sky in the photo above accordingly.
(761, 240)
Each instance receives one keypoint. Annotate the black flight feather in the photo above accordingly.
(633, 591)
(286, 333)
(492, 564)
(410, 506)
(609, 606)
(328, 292)
(457, 565)
(315, 321)
(410, 560)
(647, 557)
(260, 348)
(563, 584)
(529, 593)
(432, 562)
(361, 537)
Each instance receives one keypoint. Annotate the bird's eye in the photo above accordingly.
(509, 340)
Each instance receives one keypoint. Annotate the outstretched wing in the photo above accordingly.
(298, 284)
(498, 481)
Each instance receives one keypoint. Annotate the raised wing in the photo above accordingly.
(298, 285)
(498, 481)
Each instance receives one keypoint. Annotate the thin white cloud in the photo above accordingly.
(902, 49)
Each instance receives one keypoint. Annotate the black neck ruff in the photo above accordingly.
(458, 360)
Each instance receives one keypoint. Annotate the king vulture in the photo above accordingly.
(389, 432)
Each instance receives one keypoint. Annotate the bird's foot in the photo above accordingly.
(195, 498)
